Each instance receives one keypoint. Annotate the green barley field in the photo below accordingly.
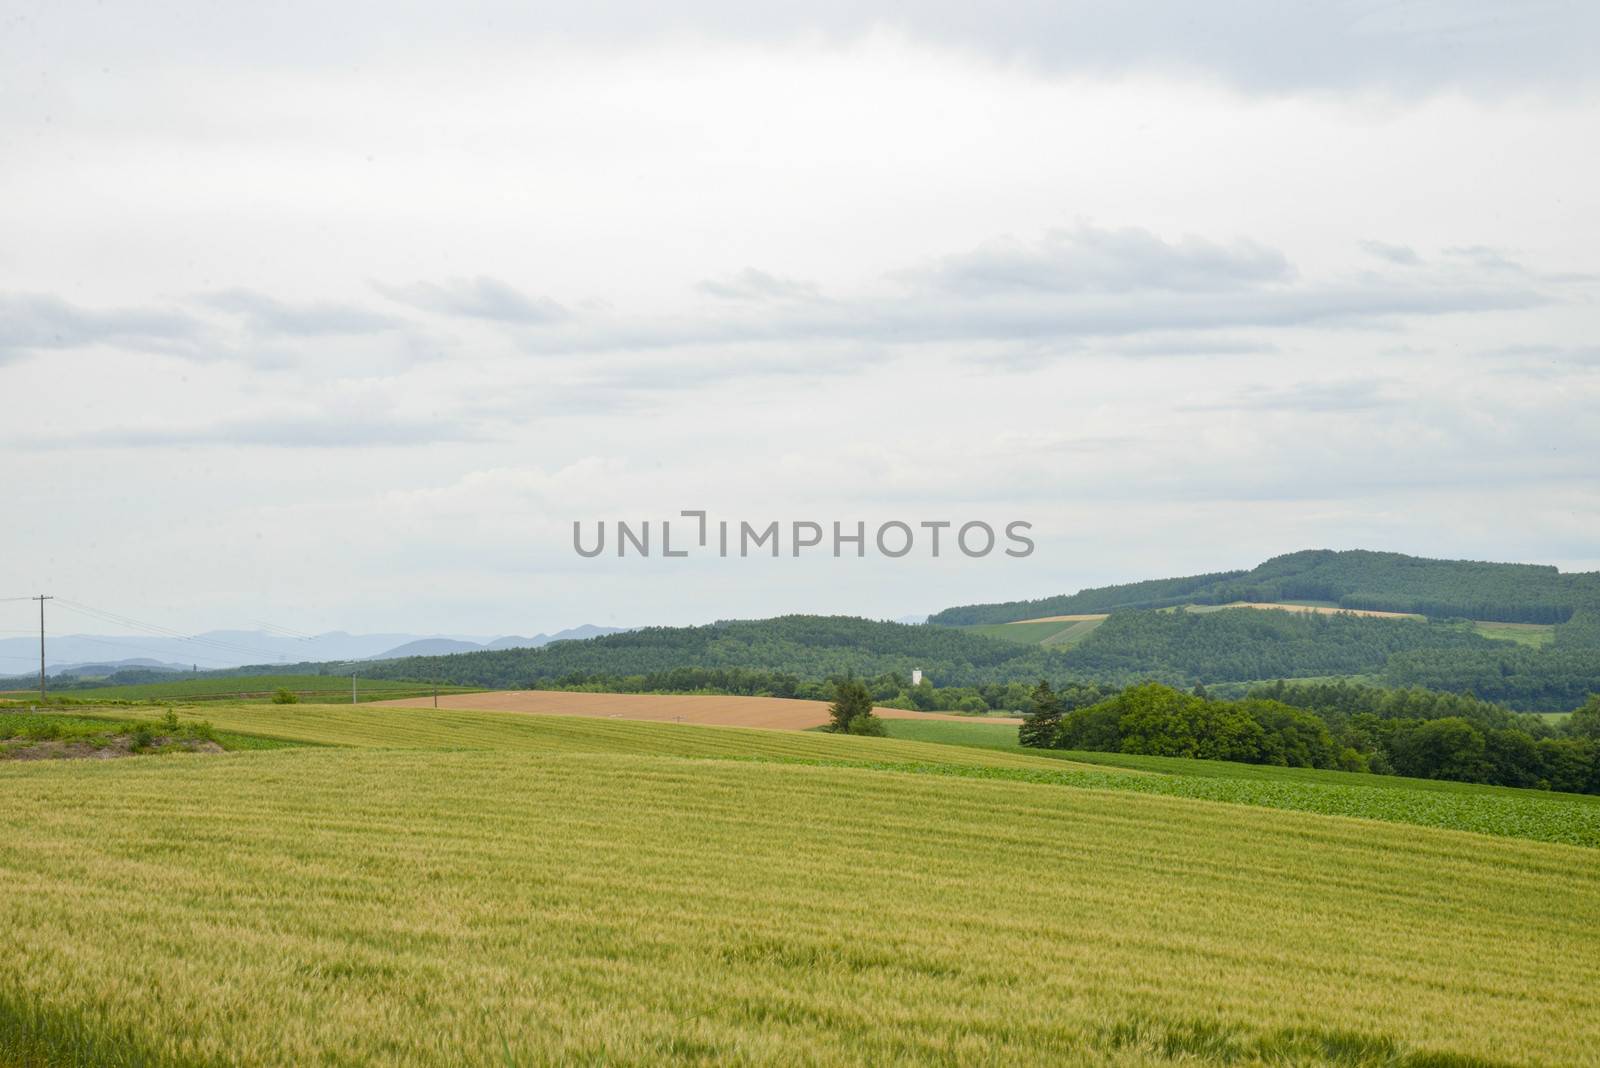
(316, 689)
(443, 888)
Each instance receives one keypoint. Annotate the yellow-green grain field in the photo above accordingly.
(590, 892)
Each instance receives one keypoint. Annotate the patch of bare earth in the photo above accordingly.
(120, 745)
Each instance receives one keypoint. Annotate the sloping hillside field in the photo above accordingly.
(487, 888)
(773, 712)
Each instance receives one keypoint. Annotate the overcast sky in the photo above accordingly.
(338, 316)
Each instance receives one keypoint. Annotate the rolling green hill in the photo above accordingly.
(796, 655)
(1390, 582)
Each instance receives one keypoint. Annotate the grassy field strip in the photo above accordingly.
(1289, 606)
(1073, 634)
(326, 906)
(1534, 634)
(1022, 633)
(1062, 632)
(237, 687)
(947, 748)
(1570, 818)
(391, 727)
(722, 710)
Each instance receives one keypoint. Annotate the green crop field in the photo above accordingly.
(1073, 634)
(1025, 633)
(328, 689)
(498, 889)
(1554, 817)
(1534, 634)
(1061, 634)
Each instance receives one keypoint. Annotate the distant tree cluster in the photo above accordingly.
(1182, 647)
(1158, 720)
(851, 710)
(1355, 728)
(1556, 676)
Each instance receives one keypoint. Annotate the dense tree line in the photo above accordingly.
(889, 689)
(1552, 677)
(1152, 593)
(811, 648)
(1175, 646)
(1339, 700)
(1183, 647)
(1158, 720)
(1412, 733)
(1468, 589)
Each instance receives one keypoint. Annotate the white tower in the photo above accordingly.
(916, 676)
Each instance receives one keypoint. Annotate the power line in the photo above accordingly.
(157, 630)
(285, 632)
(117, 643)
(42, 598)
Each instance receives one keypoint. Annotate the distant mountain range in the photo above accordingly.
(97, 654)
(447, 646)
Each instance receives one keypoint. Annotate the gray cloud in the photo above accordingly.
(1266, 45)
(1544, 361)
(1199, 345)
(1090, 259)
(1485, 258)
(1030, 300)
(478, 298)
(36, 321)
(1403, 255)
(1353, 395)
(267, 315)
(753, 285)
(330, 430)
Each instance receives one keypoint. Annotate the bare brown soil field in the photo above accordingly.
(774, 713)
(1082, 617)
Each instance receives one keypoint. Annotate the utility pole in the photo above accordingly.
(41, 599)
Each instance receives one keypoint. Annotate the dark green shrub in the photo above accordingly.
(866, 724)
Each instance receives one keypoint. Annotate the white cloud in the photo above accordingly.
(1322, 276)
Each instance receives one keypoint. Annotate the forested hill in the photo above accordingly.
(800, 647)
(1391, 582)
(779, 656)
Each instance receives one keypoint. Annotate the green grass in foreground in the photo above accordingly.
(344, 907)
(327, 689)
(1498, 810)
(950, 748)
(430, 728)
